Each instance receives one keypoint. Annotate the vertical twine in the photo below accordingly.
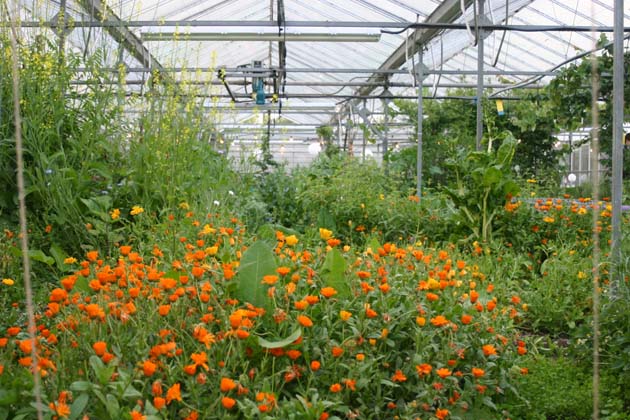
(596, 209)
(32, 329)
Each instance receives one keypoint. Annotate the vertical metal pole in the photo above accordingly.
(420, 121)
(479, 77)
(617, 146)
(385, 135)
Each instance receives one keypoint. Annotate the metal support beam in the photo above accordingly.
(267, 72)
(480, 37)
(433, 25)
(617, 147)
(119, 30)
(420, 78)
(447, 11)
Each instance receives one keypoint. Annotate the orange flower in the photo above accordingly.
(228, 402)
(421, 321)
(136, 415)
(466, 319)
(100, 347)
(159, 403)
(489, 350)
(283, 271)
(148, 368)
(443, 372)
(521, 350)
(163, 310)
(439, 321)
(399, 376)
(441, 413)
(315, 365)
(432, 297)
(200, 359)
(270, 279)
(328, 291)
(345, 315)
(227, 384)
(61, 409)
(477, 373)
(92, 256)
(370, 313)
(174, 393)
(336, 351)
(305, 321)
(336, 387)
(423, 369)
(364, 274)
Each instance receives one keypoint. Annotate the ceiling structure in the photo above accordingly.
(323, 62)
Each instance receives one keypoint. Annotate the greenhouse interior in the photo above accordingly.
(324, 209)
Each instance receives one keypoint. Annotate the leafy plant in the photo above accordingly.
(482, 185)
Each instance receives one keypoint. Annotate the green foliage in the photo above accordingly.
(258, 261)
(482, 185)
(554, 389)
(570, 95)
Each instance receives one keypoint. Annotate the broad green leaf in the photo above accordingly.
(281, 343)
(492, 175)
(257, 262)
(113, 407)
(80, 386)
(505, 153)
(78, 406)
(326, 220)
(39, 255)
(58, 254)
(8, 396)
(333, 272)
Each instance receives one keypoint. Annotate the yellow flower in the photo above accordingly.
(115, 214)
(325, 234)
(70, 260)
(184, 205)
(136, 210)
(344, 315)
(8, 282)
(548, 219)
(291, 240)
(531, 181)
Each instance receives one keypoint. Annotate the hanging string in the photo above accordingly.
(32, 329)
(596, 209)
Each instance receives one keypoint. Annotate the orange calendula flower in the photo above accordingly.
(345, 315)
(336, 388)
(200, 359)
(336, 351)
(270, 279)
(228, 402)
(423, 369)
(174, 393)
(443, 372)
(489, 350)
(148, 368)
(305, 321)
(441, 413)
(399, 376)
(315, 365)
(100, 347)
(328, 291)
(136, 415)
(283, 271)
(477, 372)
(439, 321)
(227, 385)
(163, 310)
